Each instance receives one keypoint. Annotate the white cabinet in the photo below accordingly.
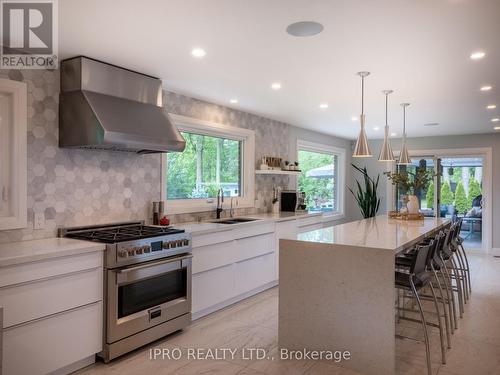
(13, 157)
(52, 313)
(213, 287)
(56, 341)
(255, 272)
(232, 266)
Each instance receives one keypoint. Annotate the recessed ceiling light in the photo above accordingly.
(304, 28)
(393, 134)
(432, 124)
(486, 88)
(354, 118)
(233, 101)
(323, 105)
(491, 106)
(497, 128)
(276, 85)
(477, 55)
(198, 52)
(496, 119)
(376, 128)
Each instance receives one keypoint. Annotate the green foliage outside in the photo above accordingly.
(182, 167)
(461, 199)
(474, 191)
(446, 194)
(319, 191)
(429, 196)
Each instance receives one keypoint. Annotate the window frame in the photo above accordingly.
(212, 129)
(303, 145)
(16, 187)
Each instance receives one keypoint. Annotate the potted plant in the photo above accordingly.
(367, 198)
(410, 185)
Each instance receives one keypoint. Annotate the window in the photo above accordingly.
(206, 165)
(216, 157)
(322, 177)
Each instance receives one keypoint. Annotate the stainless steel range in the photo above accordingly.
(147, 282)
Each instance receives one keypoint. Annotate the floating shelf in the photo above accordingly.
(278, 172)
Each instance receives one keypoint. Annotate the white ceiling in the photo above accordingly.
(420, 49)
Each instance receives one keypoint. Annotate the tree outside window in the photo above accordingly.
(318, 180)
(206, 165)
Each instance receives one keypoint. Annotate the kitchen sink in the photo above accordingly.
(237, 220)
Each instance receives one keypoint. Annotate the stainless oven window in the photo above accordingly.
(144, 294)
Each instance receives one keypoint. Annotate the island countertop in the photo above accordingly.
(337, 289)
(380, 232)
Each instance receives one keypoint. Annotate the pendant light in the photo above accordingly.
(404, 156)
(386, 153)
(362, 149)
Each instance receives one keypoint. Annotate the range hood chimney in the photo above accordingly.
(103, 106)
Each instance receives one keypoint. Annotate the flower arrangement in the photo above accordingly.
(409, 182)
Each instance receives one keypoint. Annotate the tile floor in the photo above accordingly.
(253, 324)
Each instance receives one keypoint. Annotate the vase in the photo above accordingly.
(412, 205)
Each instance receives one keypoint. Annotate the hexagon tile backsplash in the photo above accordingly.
(81, 187)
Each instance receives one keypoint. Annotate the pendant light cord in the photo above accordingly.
(362, 95)
(386, 100)
(404, 121)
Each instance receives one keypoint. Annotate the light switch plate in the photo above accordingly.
(39, 220)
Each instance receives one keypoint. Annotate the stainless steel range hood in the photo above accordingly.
(103, 106)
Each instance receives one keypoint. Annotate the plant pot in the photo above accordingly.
(412, 205)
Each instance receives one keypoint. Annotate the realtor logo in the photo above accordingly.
(29, 34)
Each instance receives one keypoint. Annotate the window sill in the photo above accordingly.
(188, 207)
(332, 216)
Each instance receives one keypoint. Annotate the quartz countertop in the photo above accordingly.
(198, 228)
(29, 251)
(380, 232)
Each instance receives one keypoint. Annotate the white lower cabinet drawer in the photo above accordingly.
(212, 287)
(253, 273)
(33, 300)
(251, 247)
(50, 343)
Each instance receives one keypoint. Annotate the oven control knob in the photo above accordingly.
(180, 243)
(131, 252)
(185, 242)
(146, 249)
(138, 250)
(123, 253)
(166, 245)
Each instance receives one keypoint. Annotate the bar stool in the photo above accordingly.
(460, 247)
(414, 281)
(405, 262)
(449, 263)
(461, 259)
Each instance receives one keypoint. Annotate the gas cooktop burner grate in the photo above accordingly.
(120, 234)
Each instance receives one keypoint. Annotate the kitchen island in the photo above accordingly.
(337, 289)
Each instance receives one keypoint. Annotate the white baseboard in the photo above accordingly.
(75, 366)
(495, 251)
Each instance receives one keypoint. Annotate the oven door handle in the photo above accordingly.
(146, 271)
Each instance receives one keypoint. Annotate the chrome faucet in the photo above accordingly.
(220, 200)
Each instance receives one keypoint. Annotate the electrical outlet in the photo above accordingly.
(257, 203)
(39, 220)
